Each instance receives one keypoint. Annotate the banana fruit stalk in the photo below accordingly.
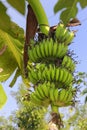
(40, 15)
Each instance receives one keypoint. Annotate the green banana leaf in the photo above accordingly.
(3, 97)
(69, 8)
(4, 18)
(17, 32)
(19, 5)
(10, 55)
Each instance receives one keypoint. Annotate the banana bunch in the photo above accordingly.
(68, 63)
(52, 74)
(47, 50)
(61, 98)
(41, 95)
(46, 94)
(63, 35)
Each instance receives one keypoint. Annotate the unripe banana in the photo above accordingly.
(65, 97)
(46, 45)
(69, 39)
(50, 47)
(31, 79)
(65, 75)
(64, 62)
(34, 54)
(59, 50)
(51, 94)
(40, 15)
(46, 89)
(64, 35)
(55, 49)
(70, 97)
(48, 74)
(31, 57)
(56, 95)
(59, 30)
(42, 49)
(35, 99)
(64, 50)
(61, 74)
(38, 94)
(34, 75)
(39, 75)
(38, 51)
(62, 94)
(69, 79)
(39, 89)
(57, 74)
(69, 62)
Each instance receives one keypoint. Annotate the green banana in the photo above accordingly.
(57, 74)
(55, 49)
(34, 75)
(39, 89)
(38, 94)
(65, 75)
(64, 35)
(69, 79)
(72, 67)
(64, 62)
(46, 89)
(69, 39)
(35, 54)
(59, 30)
(50, 47)
(46, 48)
(56, 95)
(51, 94)
(70, 97)
(61, 74)
(40, 15)
(65, 97)
(35, 99)
(69, 62)
(48, 74)
(38, 51)
(31, 57)
(62, 94)
(44, 74)
(42, 49)
(39, 75)
(64, 50)
(31, 79)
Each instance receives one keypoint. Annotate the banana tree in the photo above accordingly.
(44, 62)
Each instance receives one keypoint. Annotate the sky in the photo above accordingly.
(79, 44)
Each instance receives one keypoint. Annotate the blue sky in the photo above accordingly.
(79, 44)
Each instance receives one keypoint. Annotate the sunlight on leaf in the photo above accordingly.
(12, 45)
(3, 97)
